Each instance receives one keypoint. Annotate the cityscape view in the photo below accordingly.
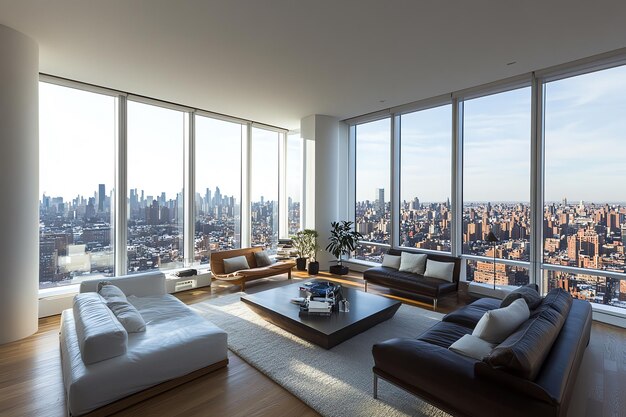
(76, 238)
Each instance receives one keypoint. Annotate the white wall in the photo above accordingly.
(19, 184)
(330, 139)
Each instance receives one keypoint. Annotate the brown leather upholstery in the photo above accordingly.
(245, 275)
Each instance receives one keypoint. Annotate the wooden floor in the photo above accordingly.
(31, 382)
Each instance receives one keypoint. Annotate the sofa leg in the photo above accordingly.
(375, 386)
(365, 286)
(243, 286)
(434, 304)
(289, 274)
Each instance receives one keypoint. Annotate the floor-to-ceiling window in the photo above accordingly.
(155, 187)
(425, 178)
(264, 154)
(373, 181)
(294, 170)
(218, 186)
(496, 184)
(77, 131)
(585, 185)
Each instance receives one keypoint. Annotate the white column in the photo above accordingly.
(330, 167)
(19, 184)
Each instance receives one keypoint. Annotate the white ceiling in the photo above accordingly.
(276, 61)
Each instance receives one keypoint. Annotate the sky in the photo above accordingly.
(77, 139)
(585, 145)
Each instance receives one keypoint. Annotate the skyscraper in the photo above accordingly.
(101, 197)
(380, 192)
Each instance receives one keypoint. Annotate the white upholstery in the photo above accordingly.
(139, 285)
(440, 270)
(175, 343)
(99, 334)
(472, 347)
(498, 324)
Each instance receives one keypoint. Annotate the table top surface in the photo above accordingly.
(362, 306)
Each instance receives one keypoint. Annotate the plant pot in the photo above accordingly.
(314, 268)
(301, 264)
(339, 270)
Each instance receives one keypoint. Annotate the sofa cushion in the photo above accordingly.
(262, 258)
(441, 270)
(414, 263)
(472, 347)
(498, 324)
(124, 311)
(235, 264)
(471, 314)
(444, 334)
(527, 292)
(524, 352)
(391, 261)
(100, 335)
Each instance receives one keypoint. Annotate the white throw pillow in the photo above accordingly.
(391, 261)
(498, 324)
(124, 311)
(472, 347)
(413, 262)
(440, 270)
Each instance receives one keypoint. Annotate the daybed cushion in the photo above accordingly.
(99, 335)
(125, 312)
(528, 293)
(234, 264)
(176, 342)
(391, 261)
(414, 263)
(441, 270)
(496, 325)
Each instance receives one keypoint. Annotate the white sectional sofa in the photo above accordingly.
(176, 346)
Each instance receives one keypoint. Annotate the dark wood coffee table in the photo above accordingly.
(366, 311)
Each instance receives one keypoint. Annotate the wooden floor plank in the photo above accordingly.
(31, 381)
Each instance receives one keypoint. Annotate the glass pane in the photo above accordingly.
(218, 186)
(496, 174)
(264, 188)
(585, 173)
(599, 290)
(482, 271)
(371, 253)
(373, 178)
(294, 182)
(425, 178)
(76, 178)
(155, 185)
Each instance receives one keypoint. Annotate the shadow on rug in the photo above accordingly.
(335, 382)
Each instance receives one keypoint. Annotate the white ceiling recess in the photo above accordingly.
(276, 61)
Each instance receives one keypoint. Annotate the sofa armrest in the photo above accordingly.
(139, 285)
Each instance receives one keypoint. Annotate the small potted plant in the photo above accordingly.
(343, 240)
(300, 245)
(313, 247)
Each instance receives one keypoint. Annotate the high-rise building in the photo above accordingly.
(101, 197)
(380, 193)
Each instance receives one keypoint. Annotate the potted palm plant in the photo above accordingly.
(342, 241)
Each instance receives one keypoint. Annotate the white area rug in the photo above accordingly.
(336, 382)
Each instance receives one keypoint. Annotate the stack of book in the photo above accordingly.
(316, 308)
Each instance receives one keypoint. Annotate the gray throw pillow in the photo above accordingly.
(262, 258)
(235, 264)
(528, 293)
(413, 262)
(391, 261)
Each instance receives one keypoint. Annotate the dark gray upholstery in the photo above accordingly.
(528, 293)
